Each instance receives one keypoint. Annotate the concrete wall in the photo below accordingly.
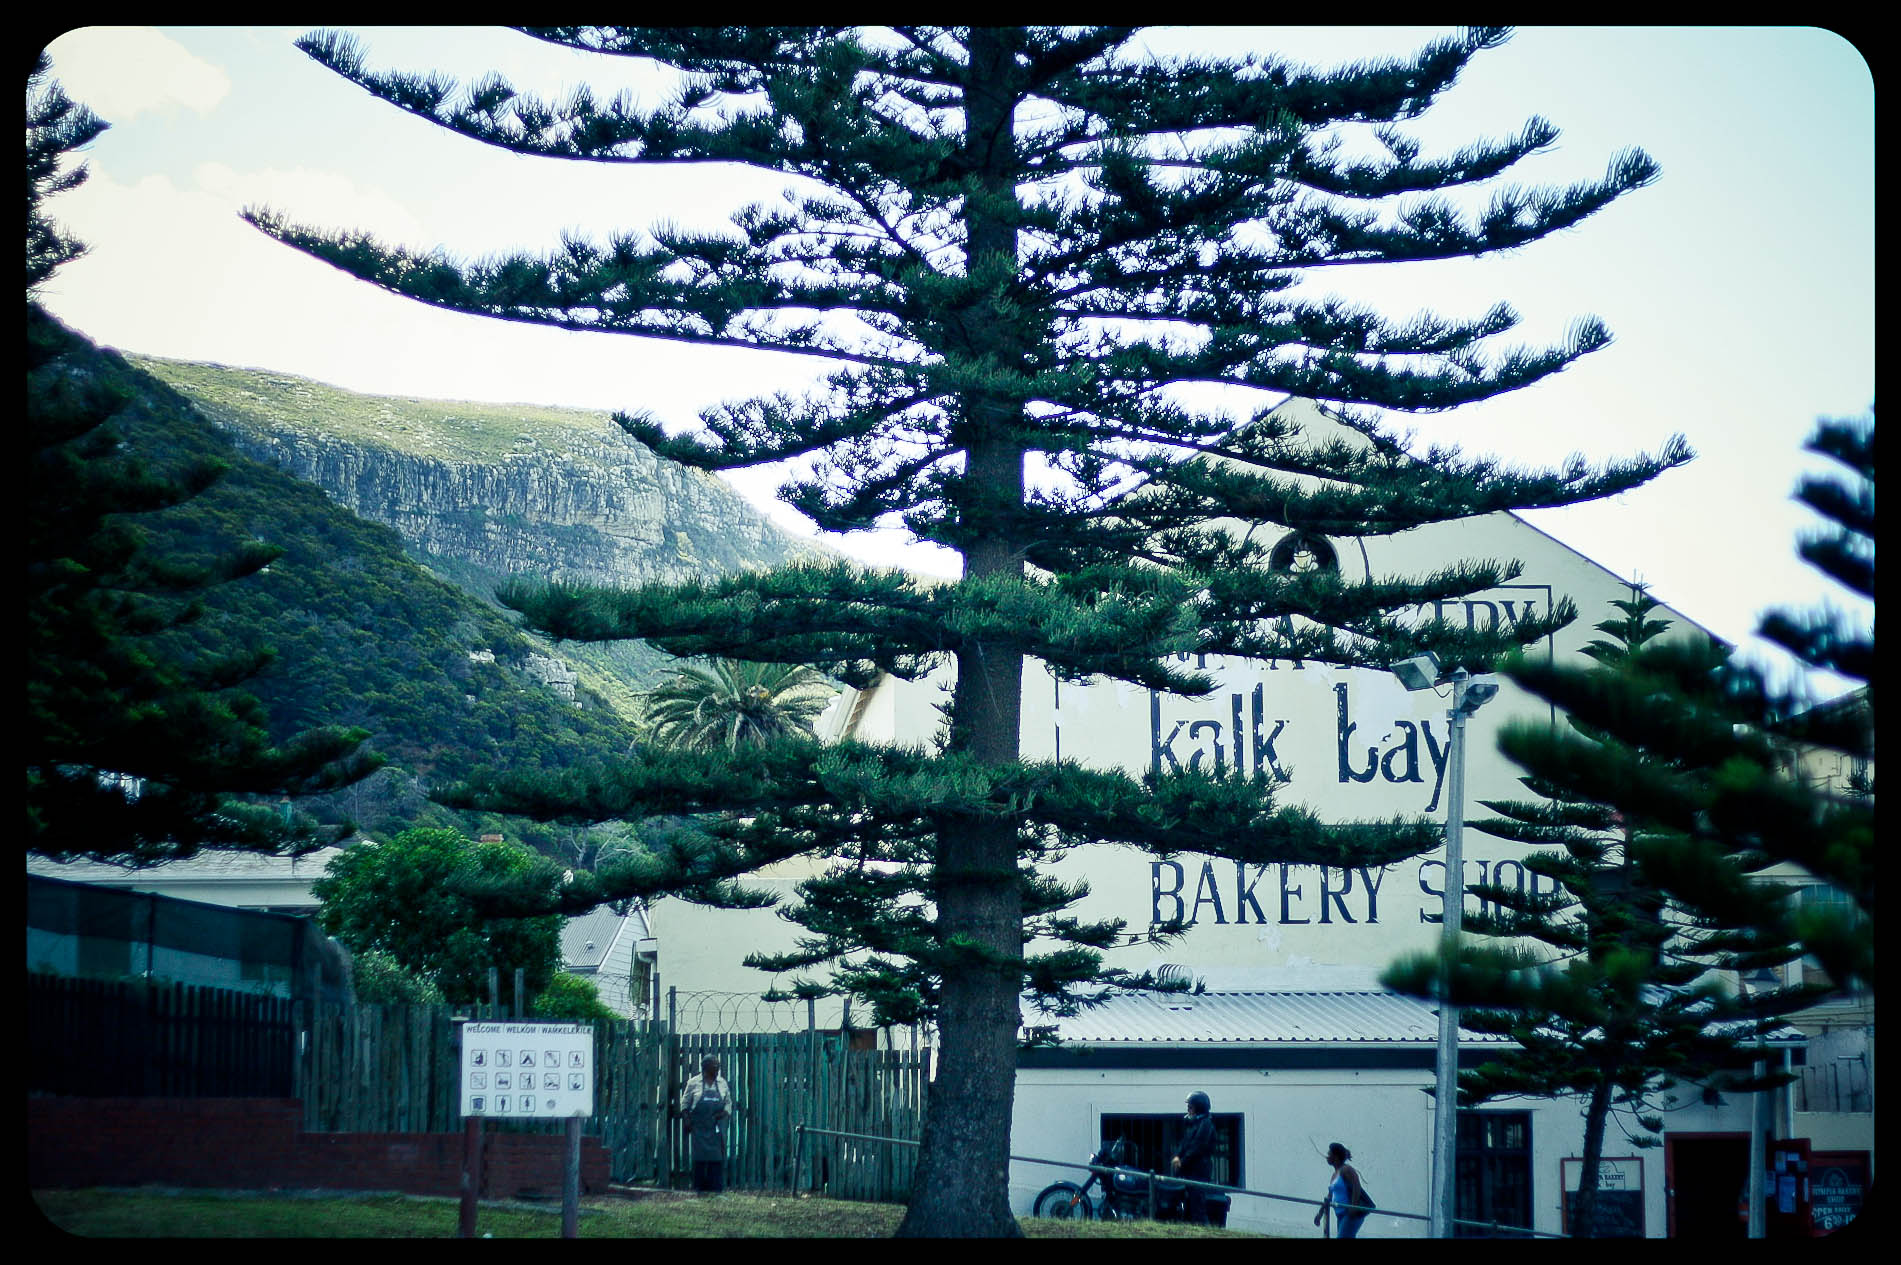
(1289, 1117)
(702, 952)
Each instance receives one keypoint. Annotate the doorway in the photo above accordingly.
(1707, 1177)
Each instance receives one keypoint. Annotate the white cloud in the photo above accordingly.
(122, 71)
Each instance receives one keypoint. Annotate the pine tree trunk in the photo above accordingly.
(962, 1183)
(1585, 1222)
(962, 1186)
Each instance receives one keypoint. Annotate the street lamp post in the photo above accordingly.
(1468, 695)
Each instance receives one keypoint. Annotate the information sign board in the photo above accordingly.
(522, 1070)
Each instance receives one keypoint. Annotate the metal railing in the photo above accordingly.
(1108, 1174)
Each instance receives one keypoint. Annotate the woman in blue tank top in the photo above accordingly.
(1344, 1193)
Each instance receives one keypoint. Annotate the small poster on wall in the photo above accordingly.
(1620, 1196)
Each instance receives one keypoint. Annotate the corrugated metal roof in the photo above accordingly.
(586, 939)
(1257, 1017)
(1276, 1017)
(206, 865)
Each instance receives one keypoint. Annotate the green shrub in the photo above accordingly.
(380, 978)
(572, 997)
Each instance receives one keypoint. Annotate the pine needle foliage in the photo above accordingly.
(1020, 249)
(56, 126)
(1715, 747)
(1610, 990)
(1832, 836)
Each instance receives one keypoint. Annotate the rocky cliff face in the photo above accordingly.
(487, 491)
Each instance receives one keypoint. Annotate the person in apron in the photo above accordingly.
(707, 1104)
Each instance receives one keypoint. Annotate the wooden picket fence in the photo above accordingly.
(156, 1039)
(396, 1069)
(783, 1080)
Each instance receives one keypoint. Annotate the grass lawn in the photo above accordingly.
(155, 1213)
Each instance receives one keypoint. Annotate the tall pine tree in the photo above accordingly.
(136, 749)
(1832, 834)
(1710, 742)
(1609, 990)
(1016, 244)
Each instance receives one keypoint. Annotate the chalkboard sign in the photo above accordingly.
(1620, 1213)
(1619, 1206)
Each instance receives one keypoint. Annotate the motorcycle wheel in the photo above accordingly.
(1063, 1201)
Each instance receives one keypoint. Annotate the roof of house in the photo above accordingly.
(210, 868)
(1290, 1016)
(1257, 1017)
(587, 939)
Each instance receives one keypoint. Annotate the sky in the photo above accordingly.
(1739, 288)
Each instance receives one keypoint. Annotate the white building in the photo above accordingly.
(1294, 1059)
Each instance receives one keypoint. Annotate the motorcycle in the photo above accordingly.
(1124, 1191)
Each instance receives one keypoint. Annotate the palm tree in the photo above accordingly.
(730, 703)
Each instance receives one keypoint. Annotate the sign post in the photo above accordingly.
(520, 1070)
(471, 1176)
(571, 1181)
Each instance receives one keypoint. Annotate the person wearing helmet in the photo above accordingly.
(1194, 1157)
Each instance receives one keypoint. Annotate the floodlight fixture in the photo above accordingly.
(1478, 691)
(1421, 672)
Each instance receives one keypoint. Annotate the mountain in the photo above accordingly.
(481, 492)
(363, 635)
(497, 489)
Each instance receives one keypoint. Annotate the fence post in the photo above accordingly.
(669, 1056)
(798, 1157)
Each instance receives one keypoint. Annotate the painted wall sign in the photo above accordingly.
(1350, 744)
(528, 1071)
(1220, 893)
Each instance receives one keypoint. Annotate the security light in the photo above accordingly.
(1421, 672)
(1479, 691)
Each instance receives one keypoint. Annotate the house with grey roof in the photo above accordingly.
(618, 953)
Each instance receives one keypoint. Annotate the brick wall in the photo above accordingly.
(259, 1143)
